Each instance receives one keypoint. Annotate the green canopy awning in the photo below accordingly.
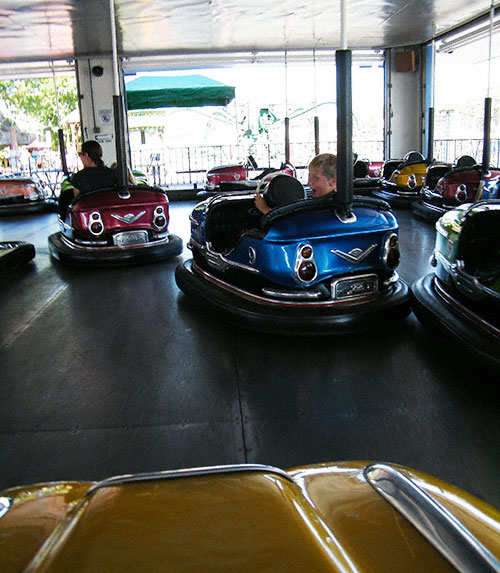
(152, 92)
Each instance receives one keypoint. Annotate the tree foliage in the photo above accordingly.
(36, 98)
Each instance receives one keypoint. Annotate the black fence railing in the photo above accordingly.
(188, 165)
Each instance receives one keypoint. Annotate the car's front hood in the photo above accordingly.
(235, 518)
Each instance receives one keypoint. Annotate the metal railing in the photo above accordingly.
(187, 165)
(449, 150)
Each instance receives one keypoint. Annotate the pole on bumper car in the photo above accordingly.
(118, 110)
(430, 135)
(62, 151)
(487, 116)
(343, 61)
(287, 119)
(487, 136)
(316, 118)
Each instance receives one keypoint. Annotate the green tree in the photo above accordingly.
(36, 98)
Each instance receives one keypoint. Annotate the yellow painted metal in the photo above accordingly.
(326, 518)
(401, 176)
(35, 513)
(376, 536)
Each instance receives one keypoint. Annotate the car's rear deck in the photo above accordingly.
(113, 371)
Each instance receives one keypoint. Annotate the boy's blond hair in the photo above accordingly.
(326, 163)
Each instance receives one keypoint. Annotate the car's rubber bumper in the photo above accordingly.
(14, 254)
(306, 319)
(67, 253)
(27, 207)
(395, 197)
(436, 306)
(427, 211)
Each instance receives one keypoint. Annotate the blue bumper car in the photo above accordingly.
(307, 267)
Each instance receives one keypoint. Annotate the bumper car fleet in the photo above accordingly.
(14, 254)
(402, 179)
(227, 178)
(19, 194)
(455, 186)
(462, 296)
(116, 226)
(366, 176)
(343, 517)
(305, 267)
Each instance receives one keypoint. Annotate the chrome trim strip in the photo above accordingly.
(470, 285)
(443, 260)
(191, 472)
(5, 505)
(220, 262)
(151, 244)
(440, 527)
(307, 295)
(255, 297)
(455, 305)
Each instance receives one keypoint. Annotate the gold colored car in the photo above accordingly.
(348, 516)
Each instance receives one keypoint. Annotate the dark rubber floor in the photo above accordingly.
(113, 371)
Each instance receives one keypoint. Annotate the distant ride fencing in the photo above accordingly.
(448, 150)
(188, 165)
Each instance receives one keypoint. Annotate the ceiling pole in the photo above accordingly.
(487, 116)
(118, 112)
(60, 133)
(343, 60)
(430, 116)
(316, 118)
(287, 119)
(430, 135)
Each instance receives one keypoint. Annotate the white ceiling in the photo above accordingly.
(45, 30)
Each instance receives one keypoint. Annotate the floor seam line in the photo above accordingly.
(241, 411)
(35, 317)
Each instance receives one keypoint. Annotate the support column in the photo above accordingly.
(96, 89)
(404, 96)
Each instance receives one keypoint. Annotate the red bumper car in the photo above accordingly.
(116, 227)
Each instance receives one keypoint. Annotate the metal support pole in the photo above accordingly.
(486, 148)
(316, 135)
(62, 151)
(287, 139)
(343, 60)
(487, 135)
(430, 135)
(120, 141)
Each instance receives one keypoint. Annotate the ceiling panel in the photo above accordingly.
(40, 30)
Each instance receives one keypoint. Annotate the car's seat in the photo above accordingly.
(282, 190)
(465, 161)
(413, 157)
(360, 169)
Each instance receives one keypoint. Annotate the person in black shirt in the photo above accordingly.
(94, 175)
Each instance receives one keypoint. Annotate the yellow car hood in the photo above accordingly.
(318, 518)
